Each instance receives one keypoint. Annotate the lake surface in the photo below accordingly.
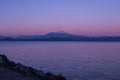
(75, 60)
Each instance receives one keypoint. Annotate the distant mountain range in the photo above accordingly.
(58, 36)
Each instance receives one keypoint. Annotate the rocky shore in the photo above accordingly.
(29, 72)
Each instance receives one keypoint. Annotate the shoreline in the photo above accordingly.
(20, 70)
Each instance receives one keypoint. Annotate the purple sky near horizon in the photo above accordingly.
(84, 17)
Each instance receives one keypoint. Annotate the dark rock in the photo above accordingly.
(61, 77)
(3, 59)
(49, 76)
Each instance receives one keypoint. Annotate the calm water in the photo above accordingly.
(75, 60)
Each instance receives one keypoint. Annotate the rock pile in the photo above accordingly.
(28, 71)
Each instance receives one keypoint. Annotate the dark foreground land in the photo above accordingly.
(10, 70)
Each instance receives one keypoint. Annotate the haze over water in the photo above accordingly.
(75, 60)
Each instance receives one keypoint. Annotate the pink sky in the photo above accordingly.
(83, 17)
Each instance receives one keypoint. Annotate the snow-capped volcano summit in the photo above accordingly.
(59, 34)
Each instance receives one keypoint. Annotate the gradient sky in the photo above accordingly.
(85, 17)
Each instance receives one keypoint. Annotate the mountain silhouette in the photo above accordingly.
(59, 36)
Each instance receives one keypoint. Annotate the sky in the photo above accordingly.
(83, 17)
